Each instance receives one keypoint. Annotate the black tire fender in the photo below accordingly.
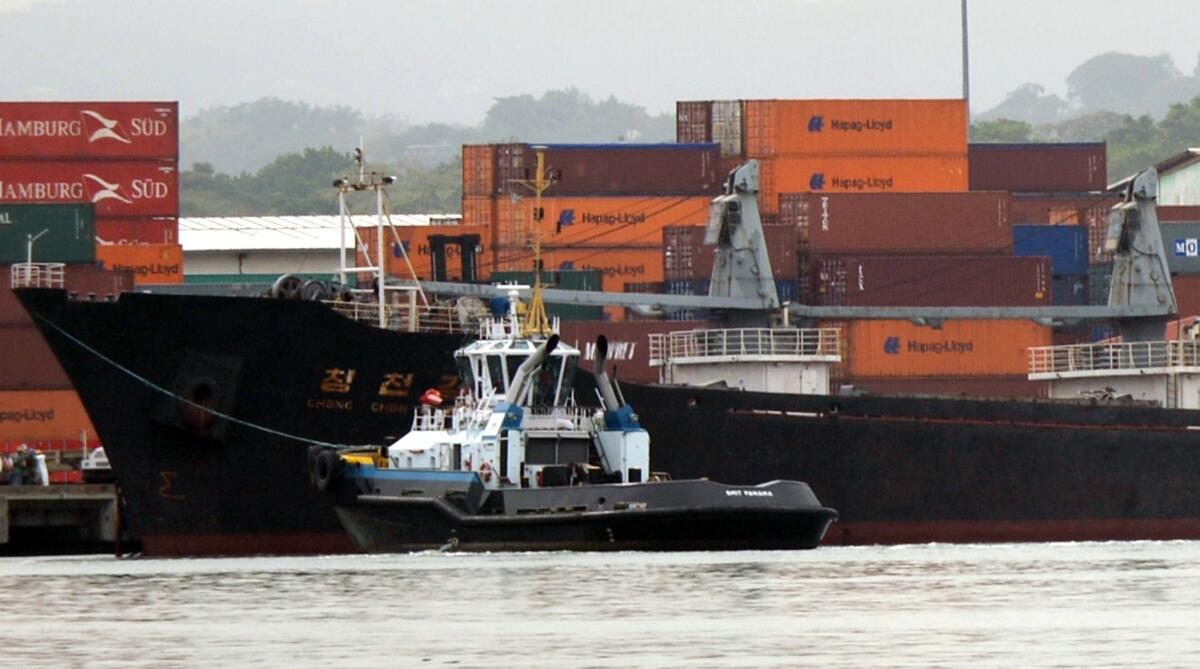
(327, 470)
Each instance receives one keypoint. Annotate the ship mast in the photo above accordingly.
(373, 181)
(536, 321)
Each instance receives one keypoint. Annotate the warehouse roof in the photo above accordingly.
(284, 233)
(1176, 161)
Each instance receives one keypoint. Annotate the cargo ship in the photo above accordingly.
(194, 397)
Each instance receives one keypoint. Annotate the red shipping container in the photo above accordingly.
(89, 130)
(612, 169)
(1038, 166)
(1179, 213)
(151, 230)
(930, 281)
(1187, 294)
(82, 281)
(28, 363)
(117, 188)
(900, 223)
(1060, 208)
(693, 122)
(628, 344)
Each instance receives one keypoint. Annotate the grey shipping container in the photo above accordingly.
(70, 232)
(900, 223)
(1182, 242)
(1078, 166)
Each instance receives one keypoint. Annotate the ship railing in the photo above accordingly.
(406, 318)
(791, 342)
(430, 418)
(572, 417)
(1114, 356)
(37, 275)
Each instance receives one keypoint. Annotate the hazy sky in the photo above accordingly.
(446, 60)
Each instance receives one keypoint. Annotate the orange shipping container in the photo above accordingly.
(415, 239)
(478, 210)
(841, 174)
(860, 127)
(478, 169)
(149, 263)
(597, 221)
(43, 414)
(879, 348)
(619, 266)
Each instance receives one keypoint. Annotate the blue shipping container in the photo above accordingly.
(1065, 245)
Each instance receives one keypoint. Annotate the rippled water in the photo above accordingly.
(1045, 605)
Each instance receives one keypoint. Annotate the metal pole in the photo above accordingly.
(379, 254)
(342, 219)
(966, 69)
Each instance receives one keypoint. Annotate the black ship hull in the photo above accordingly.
(897, 469)
(287, 372)
(908, 470)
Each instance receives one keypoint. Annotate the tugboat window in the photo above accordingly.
(465, 373)
(496, 372)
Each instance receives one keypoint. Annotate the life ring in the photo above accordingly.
(327, 469)
(485, 472)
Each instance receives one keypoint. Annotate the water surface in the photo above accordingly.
(1014, 605)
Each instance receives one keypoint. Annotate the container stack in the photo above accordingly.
(1060, 184)
(835, 146)
(99, 182)
(605, 210)
(38, 404)
(122, 158)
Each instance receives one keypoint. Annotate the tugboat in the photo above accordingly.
(515, 464)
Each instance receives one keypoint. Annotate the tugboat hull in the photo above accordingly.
(661, 516)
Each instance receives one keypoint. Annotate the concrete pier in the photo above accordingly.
(77, 518)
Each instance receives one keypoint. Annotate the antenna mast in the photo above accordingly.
(536, 322)
(374, 181)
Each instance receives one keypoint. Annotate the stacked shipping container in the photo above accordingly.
(605, 210)
(38, 405)
(1060, 185)
(121, 157)
(836, 145)
(100, 178)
